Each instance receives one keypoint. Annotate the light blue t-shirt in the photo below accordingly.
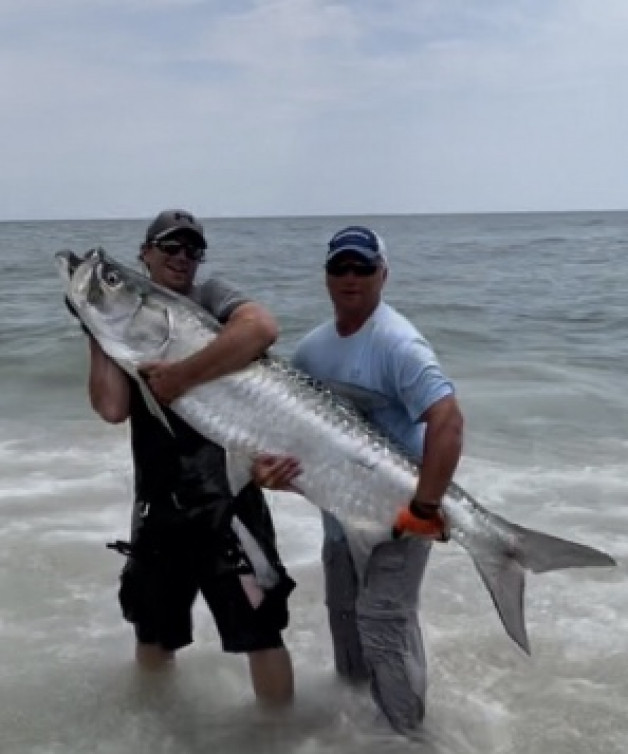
(388, 356)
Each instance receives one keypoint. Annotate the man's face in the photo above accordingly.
(173, 262)
(354, 285)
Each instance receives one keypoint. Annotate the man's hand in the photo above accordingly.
(276, 472)
(432, 527)
(165, 379)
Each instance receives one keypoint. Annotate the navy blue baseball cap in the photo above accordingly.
(172, 222)
(359, 240)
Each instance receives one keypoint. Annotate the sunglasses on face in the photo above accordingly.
(172, 248)
(344, 268)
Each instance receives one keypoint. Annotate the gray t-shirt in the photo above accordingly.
(219, 297)
(187, 465)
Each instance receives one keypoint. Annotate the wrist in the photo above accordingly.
(185, 375)
(425, 509)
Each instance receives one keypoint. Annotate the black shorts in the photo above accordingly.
(159, 586)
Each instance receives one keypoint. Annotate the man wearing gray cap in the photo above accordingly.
(182, 541)
(373, 355)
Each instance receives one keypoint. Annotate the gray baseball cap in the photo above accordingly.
(174, 221)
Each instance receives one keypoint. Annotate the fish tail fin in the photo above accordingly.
(502, 569)
(504, 578)
(541, 552)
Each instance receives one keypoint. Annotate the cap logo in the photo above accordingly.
(184, 216)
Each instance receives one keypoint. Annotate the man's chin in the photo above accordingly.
(352, 301)
(179, 282)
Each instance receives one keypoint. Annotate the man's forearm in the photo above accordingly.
(109, 392)
(442, 450)
(237, 345)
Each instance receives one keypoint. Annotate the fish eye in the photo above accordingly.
(111, 277)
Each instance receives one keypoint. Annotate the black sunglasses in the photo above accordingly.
(344, 268)
(172, 248)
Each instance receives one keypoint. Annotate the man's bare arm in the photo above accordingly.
(109, 391)
(248, 333)
(442, 449)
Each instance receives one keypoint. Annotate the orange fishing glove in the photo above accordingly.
(428, 527)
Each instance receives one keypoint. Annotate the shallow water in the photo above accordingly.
(527, 314)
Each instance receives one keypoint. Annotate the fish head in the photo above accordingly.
(121, 308)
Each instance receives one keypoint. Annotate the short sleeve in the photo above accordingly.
(298, 359)
(417, 377)
(219, 297)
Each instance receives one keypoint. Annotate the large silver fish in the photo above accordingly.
(349, 469)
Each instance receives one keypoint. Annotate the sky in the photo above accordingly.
(117, 108)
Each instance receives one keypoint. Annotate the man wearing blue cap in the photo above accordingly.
(372, 596)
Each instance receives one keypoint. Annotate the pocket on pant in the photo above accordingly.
(273, 611)
(385, 568)
(141, 591)
(393, 576)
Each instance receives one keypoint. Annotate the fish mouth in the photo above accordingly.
(67, 263)
(84, 285)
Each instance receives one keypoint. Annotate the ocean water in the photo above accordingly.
(528, 315)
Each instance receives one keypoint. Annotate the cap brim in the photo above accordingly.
(199, 239)
(369, 255)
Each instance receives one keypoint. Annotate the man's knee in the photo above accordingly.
(153, 657)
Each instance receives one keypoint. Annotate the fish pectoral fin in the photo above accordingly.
(542, 552)
(152, 404)
(238, 470)
(505, 580)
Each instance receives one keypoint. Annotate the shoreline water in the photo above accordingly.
(528, 317)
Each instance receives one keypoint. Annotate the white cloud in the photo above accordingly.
(306, 106)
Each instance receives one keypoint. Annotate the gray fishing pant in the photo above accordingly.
(372, 600)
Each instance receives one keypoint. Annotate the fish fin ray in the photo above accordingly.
(541, 552)
(238, 466)
(149, 399)
(504, 578)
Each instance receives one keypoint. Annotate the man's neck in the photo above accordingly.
(348, 323)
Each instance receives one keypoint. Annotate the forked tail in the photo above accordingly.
(503, 565)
